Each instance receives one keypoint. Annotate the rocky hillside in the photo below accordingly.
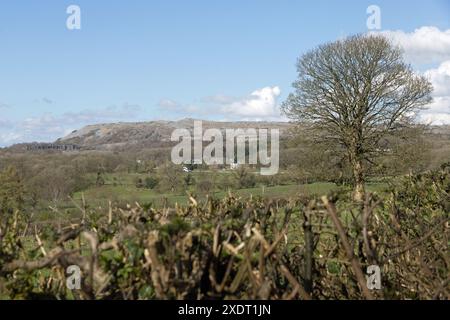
(149, 134)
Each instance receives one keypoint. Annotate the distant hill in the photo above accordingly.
(130, 136)
(119, 136)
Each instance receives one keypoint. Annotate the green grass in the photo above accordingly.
(99, 196)
(120, 189)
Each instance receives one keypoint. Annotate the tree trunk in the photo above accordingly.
(358, 175)
(309, 252)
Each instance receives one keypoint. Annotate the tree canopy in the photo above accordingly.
(354, 91)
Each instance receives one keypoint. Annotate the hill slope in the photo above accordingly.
(149, 134)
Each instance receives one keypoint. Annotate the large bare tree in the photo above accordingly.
(354, 91)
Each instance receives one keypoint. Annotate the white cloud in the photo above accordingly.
(436, 119)
(440, 78)
(260, 103)
(5, 123)
(440, 105)
(438, 111)
(46, 124)
(429, 45)
(174, 106)
(49, 127)
(426, 44)
(9, 138)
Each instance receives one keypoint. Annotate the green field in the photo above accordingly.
(100, 196)
(120, 190)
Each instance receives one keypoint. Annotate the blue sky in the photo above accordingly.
(148, 60)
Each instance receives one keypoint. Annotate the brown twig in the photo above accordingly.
(356, 266)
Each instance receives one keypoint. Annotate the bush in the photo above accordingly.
(139, 183)
(151, 182)
(244, 249)
(11, 190)
(245, 178)
(205, 186)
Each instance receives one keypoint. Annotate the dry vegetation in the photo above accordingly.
(316, 248)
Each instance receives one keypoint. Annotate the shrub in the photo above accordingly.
(235, 248)
(151, 182)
